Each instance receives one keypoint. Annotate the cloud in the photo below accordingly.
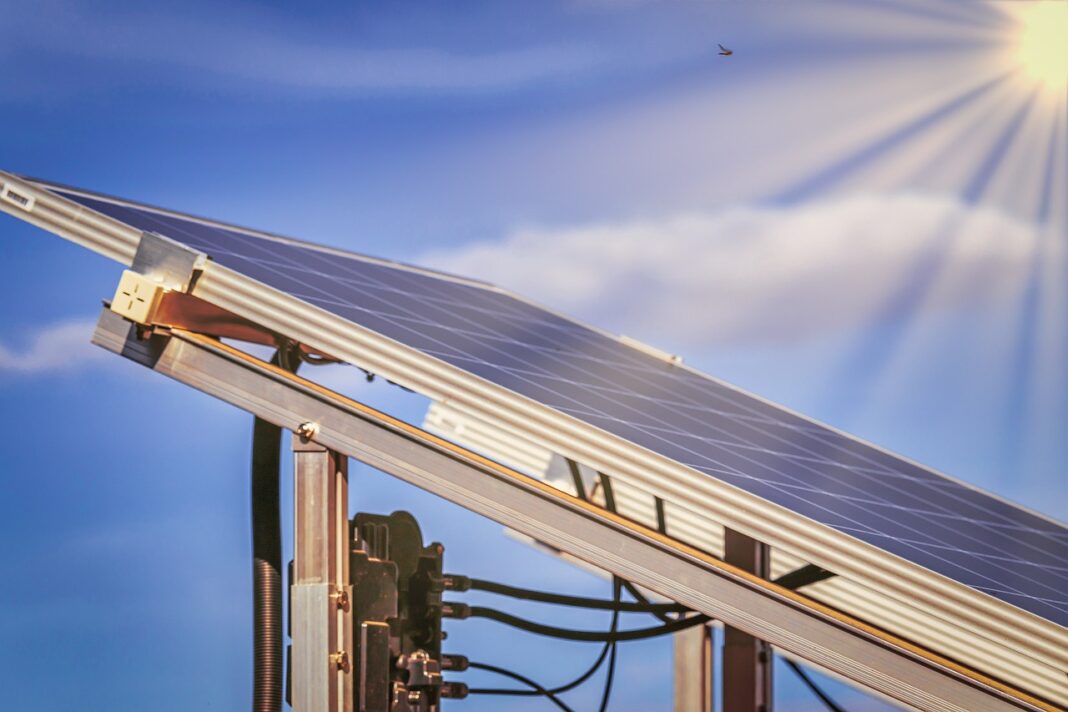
(761, 275)
(255, 48)
(63, 346)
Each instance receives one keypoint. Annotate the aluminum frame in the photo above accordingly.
(694, 662)
(322, 672)
(981, 631)
(788, 620)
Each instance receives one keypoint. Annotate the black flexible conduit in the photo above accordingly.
(267, 556)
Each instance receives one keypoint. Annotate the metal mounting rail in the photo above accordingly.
(790, 621)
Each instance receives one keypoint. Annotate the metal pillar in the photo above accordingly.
(747, 685)
(321, 594)
(694, 669)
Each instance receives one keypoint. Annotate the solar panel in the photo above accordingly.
(920, 515)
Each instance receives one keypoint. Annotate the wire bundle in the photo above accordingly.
(673, 617)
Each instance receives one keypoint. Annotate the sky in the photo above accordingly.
(861, 214)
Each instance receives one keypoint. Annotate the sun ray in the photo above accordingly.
(955, 163)
(940, 158)
(979, 16)
(993, 158)
(837, 172)
(1055, 150)
(1021, 183)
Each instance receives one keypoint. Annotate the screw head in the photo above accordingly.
(308, 430)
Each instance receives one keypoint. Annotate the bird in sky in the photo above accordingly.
(724, 52)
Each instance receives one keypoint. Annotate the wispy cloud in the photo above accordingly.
(253, 48)
(759, 275)
(63, 346)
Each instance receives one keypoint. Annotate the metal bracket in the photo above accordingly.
(168, 263)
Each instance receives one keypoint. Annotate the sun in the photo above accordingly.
(1042, 42)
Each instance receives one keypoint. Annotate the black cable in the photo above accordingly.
(267, 554)
(610, 675)
(610, 504)
(538, 689)
(592, 636)
(578, 680)
(526, 594)
(824, 697)
(654, 608)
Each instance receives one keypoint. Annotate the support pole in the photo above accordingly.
(747, 685)
(694, 669)
(321, 608)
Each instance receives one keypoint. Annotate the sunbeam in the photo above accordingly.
(992, 160)
(1027, 170)
(839, 171)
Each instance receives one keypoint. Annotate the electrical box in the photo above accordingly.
(137, 297)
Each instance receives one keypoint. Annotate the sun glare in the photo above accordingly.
(1042, 42)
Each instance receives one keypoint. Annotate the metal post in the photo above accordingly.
(694, 669)
(321, 609)
(746, 660)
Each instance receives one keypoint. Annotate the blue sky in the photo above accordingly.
(861, 214)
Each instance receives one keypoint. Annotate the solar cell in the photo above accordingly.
(913, 512)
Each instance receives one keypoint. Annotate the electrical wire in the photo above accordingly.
(578, 680)
(610, 675)
(526, 594)
(654, 608)
(812, 686)
(641, 604)
(265, 519)
(538, 689)
(590, 636)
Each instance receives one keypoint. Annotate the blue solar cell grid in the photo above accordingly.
(940, 524)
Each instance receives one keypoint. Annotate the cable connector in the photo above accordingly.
(456, 582)
(453, 690)
(454, 609)
(457, 663)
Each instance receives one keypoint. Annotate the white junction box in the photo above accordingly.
(137, 297)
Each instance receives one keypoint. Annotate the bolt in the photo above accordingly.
(340, 659)
(341, 598)
(307, 431)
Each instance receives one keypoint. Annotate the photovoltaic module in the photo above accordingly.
(937, 522)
